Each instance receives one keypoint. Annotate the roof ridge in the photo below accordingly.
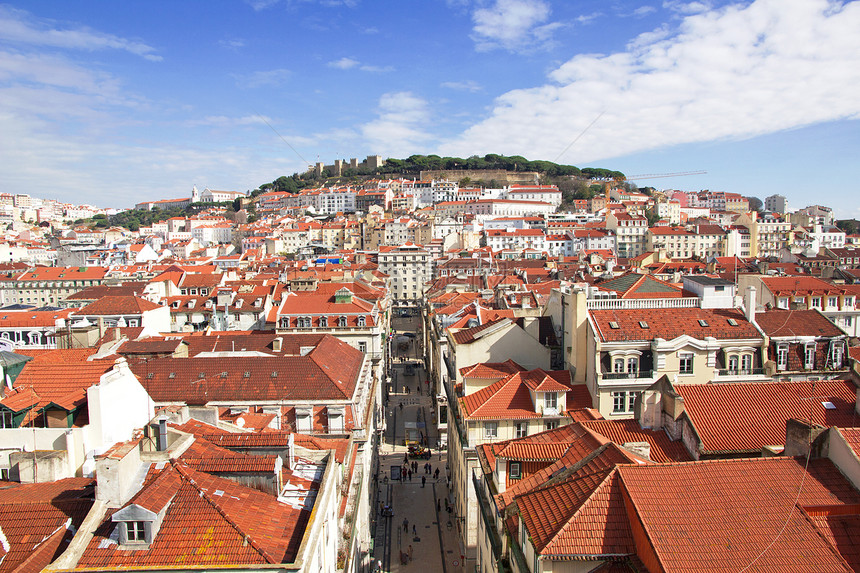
(184, 471)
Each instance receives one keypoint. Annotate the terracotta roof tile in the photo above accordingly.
(697, 515)
(745, 417)
(669, 324)
(780, 322)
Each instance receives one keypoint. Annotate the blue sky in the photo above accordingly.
(111, 103)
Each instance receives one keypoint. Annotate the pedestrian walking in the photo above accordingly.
(414, 530)
(436, 474)
(405, 524)
(409, 473)
(423, 480)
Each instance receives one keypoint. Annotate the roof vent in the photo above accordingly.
(172, 375)
(201, 375)
(247, 374)
(275, 374)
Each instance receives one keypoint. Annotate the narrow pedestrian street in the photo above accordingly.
(411, 516)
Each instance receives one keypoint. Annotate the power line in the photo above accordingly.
(581, 133)
(305, 161)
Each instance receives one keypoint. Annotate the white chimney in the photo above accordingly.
(749, 303)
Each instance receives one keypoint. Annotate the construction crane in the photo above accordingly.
(616, 180)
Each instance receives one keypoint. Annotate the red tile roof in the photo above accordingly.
(663, 448)
(209, 521)
(114, 305)
(493, 370)
(37, 521)
(697, 516)
(329, 371)
(744, 417)
(780, 322)
(669, 324)
(583, 515)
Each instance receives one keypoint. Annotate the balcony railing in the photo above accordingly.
(628, 375)
(639, 303)
(740, 372)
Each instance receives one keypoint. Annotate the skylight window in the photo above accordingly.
(150, 375)
(733, 322)
(829, 405)
(614, 325)
(172, 375)
(703, 322)
(643, 324)
(275, 374)
(201, 375)
(247, 374)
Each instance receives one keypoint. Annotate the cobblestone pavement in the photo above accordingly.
(431, 534)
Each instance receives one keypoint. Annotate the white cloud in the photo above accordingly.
(344, 63)
(464, 86)
(399, 127)
(350, 63)
(733, 73)
(262, 78)
(682, 7)
(18, 27)
(644, 11)
(232, 44)
(513, 25)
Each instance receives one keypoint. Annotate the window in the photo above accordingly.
(491, 430)
(782, 356)
(515, 470)
(551, 424)
(633, 366)
(618, 365)
(848, 321)
(303, 322)
(135, 531)
(324, 321)
(782, 302)
(832, 301)
(619, 402)
(836, 354)
(816, 302)
(362, 346)
(6, 420)
(685, 363)
(341, 321)
(809, 356)
(521, 429)
(361, 321)
(550, 401)
(631, 400)
(733, 363)
(746, 363)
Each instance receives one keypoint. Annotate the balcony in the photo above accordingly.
(641, 374)
(740, 372)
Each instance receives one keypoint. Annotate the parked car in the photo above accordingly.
(408, 334)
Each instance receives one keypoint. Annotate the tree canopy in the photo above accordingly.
(414, 164)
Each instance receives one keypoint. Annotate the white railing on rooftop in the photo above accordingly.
(639, 303)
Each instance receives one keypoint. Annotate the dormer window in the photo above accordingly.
(324, 321)
(341, 321)
(135, 531)
(361, 321)
(550, 402)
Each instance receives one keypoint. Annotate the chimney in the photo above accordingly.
(161, 443)
(749, 304)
